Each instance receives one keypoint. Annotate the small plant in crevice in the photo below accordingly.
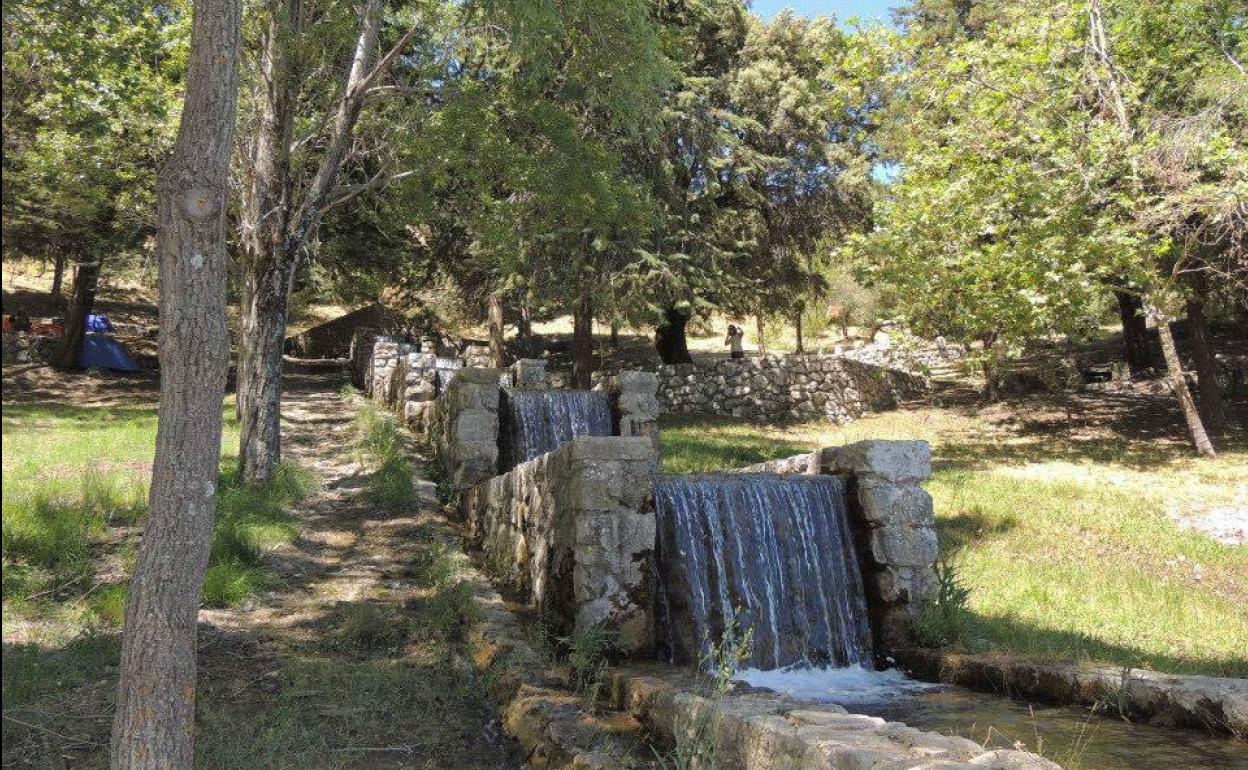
(695, 747)
(944, 620)
(588, 654)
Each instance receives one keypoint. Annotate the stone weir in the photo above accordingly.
(769, 554)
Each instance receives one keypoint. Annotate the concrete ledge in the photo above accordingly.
(765, 731)
(1219, 705)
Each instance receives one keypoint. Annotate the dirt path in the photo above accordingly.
(356, 659)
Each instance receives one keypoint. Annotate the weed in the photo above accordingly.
(445, 614)
(944, 619)
(229, 584)
(588, 652)
(696, 747)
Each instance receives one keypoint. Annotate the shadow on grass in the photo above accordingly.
(1139, 431)
(58, 701)
(1030, 641)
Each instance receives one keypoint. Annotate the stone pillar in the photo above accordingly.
(419, 387)
(529, 374)
(466, 433)
(894, 530)
(635, 396)
(611, 490)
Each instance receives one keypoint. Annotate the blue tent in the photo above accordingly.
(101, 351)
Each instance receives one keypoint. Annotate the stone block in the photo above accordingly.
(896, 461)
(883, 503)
(479, 375)
(646, 383)
(529, 374)
(904, 546)
(590, 448)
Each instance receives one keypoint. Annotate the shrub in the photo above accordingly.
(944, 620)
(588, 651)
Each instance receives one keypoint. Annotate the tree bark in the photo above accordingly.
(1211, 410)
(615, 335)
(797, 329)
(524, 330)
(498, 355)
(259, 388)
(670, 339)
(762, 334)
(1195, 427)
(1134, 333)
(583, 341)
(70, 352)
(153, 725)
(58, 274)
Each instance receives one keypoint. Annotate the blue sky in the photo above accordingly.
(842, 9)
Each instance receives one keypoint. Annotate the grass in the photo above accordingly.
(74, 501)
(380, 448)
(1064, 538)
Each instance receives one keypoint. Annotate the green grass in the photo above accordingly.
(75, 496)
(380, 448)
(1064, 541)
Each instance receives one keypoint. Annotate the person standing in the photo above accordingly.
(734, 341)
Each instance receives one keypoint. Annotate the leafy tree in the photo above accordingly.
(89, 97)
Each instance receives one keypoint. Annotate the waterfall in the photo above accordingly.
(540, 421)
(444, 370)
(774, 552)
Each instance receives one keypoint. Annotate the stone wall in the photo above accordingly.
(462, 425)
(572, 533)
(634, 399)
(893, 522)
(784, 388)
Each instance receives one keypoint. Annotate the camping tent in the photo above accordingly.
(101, 351)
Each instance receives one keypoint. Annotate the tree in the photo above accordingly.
(1031, 153)
(88, 100)
(154, 722)
(282, 210)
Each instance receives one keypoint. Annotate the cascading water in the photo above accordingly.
(539, 421)
(775, 553)
(444, 370)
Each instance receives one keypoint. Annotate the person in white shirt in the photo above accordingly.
(733, 340)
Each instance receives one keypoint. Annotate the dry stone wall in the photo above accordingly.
(572, 533)
(784, 388)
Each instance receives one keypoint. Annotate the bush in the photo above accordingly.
(588, 651)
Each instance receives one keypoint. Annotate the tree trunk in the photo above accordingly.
(274, 260)
(797, 329)
(615, 335)
(1200, 439)
(524, 330)
(260, 372)
(670, 339)
(153, 726)
(762, 334)
(498, 356)
(1134, 333)
(70, 351)
(583, 341)
(58, 274)
(1211, 410)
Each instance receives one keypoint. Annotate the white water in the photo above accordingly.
(851, 684)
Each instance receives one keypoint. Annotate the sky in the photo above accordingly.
(842, 9)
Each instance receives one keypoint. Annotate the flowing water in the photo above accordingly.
(534, 422)
(1068, 735)
(444, 370)
(772, 555)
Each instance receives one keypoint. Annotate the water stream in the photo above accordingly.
(1070, 736)
(532, 423)
(771, 555)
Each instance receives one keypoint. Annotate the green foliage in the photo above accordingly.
(90, 95)
(944, 619)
